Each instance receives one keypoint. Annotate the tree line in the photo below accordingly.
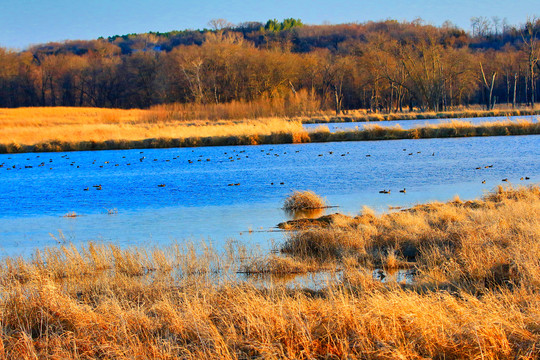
(381, 66)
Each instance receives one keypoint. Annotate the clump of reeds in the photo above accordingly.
(303, 200)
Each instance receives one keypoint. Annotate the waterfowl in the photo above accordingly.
(483, 181)
(161, 185)
(281, 183)
(521, 178)
(85, 189)
(384, 192)
(403, 191)
(505, 179)
(527, 178)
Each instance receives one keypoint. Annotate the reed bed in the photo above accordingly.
(476, 293)
(72, 129)
(65, 129)
(301, 104)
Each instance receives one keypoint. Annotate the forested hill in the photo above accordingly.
(379, 65)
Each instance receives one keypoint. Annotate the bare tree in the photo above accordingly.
(219, 24)
(489, 87)
(530, 47)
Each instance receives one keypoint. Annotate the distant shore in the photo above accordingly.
(352, 116)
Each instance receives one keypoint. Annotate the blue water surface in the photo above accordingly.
(198, 202)
(410, 124)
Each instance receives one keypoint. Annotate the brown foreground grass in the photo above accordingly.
(476, 293)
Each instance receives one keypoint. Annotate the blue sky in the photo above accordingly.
(25, 22)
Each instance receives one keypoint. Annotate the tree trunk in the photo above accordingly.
(515, 87)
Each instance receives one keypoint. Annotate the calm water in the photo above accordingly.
(409, 124)
(197, 202)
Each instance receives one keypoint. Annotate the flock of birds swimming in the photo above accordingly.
(231, 156)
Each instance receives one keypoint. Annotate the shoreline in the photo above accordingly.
(375, 117)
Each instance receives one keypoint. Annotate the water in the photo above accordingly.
(410, 124)
(197, 202)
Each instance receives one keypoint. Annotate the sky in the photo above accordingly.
(27, 22)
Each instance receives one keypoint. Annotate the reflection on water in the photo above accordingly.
(401, 276)
(305, 213)
(323, 279)
(196, 202)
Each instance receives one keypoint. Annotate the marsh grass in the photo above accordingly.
(475, 295)
(69, 129)
(303, 200)
(75, 129)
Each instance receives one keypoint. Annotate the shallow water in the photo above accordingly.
(410, 124)
(197, 202)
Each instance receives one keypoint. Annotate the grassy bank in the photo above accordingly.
(249, 132)
(365, 116)
(475, 293)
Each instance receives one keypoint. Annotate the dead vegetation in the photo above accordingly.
(303, 200)
(76, 129)
(475, 293)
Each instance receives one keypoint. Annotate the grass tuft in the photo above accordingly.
(303, 200)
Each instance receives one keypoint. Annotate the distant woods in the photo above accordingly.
(381, 66)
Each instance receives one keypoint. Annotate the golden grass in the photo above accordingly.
(471, 112)
(71, 129)
(303, 200)
(476, 293)
(31, 126)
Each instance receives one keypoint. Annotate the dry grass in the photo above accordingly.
(476, 294)
(33, 126)
(454, 128)
(301, 104)
(303, 200)
(473, 243)
(71, 129)
(470, 112)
